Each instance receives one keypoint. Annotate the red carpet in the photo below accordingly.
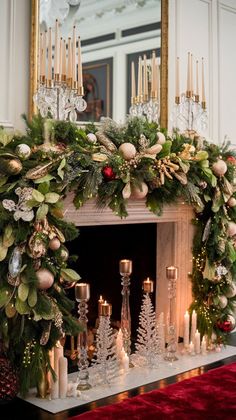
(208, 396)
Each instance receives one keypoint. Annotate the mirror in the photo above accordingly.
(112, 34)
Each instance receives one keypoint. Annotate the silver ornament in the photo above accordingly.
(91, 138)
(15, 262)
(23, 151)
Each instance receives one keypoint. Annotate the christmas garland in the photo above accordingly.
(112, 163)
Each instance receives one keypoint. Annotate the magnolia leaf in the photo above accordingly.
(22, 307)
(23, 291)
(184, 166)
(60, 172)
(8, 237)
(231, 252)
(32, 297)
(209, 271)
(52, 198)
(37, 196)
(42, 212)
(45, 178)
(44, 187)
(69, 275)
(10, 310)
(3, 180)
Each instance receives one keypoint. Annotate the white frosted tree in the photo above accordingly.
(105, 362)
(147, 345)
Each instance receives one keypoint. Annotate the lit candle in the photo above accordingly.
(119, 344)
(50, 54)
(125, 362)
(140, 78)
(191, 348)
(148, 286)
(63, 378)
(82, 291)
(58, 352)
(80, 74)
(133, 84)
(188, 76)
(74, 59)
(177, 93)
(153, 84)
(203, 85)
(44, 47)
(145, 78)
(193, 325)
(56, 52)
(203, 345)
(100, 302)
(197, 342)
(197, 83)
(106, 309)
(69, 64)
(125, 267)
(186, 329)
(171, 273)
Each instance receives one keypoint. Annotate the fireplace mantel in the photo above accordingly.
(174, 243)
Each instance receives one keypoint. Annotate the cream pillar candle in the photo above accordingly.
(125, 267)
(119, 343)
(63, 377)
(203, 345)
(50, 54)
(125, 362)
(191, 348)
(58, 352)
(133, 84)
(197, 344)
(193, 325)
(148, 285)
(80, 74)
(186, 329)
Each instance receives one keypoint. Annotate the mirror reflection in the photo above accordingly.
(113, 34)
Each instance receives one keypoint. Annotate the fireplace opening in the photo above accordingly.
(99, 249)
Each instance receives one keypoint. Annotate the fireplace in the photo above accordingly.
(174, 235)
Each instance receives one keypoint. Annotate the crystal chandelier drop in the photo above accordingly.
(146, 102)
(60, 88)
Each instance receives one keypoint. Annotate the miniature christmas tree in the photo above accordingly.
(105, 362)
(147, 345)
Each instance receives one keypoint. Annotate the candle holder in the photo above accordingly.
(189, 115)
(171, 274)
(125, 272)
(59, 100)
(82, 295)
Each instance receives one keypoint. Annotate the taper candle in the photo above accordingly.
(44, 54)
(148, 285)
(203, 345)
(203, 84)
(106, 309)
(191, 74)
(133, 84)
(140, 79)
(197, 342)
(82, 291)
(153, 82)
(56, 49)
(125, 267)
(177, 92)
(40, 54)
(80, 74)
(63, 378)
(69, 64)
(193, 324)
(197, 83)
(50, 54)
(157, 76)
(64, 61)
(145, 78)
(191, 348)
(186, 329)
(172, 272)
(58, 352)
(74, 57)
(61, 57)
(100, 302)
(188, 76)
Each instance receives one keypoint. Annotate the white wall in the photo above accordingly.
(14, 68)
(207, 28)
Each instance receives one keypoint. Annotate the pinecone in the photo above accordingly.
(8, 380)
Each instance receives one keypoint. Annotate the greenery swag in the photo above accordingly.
(112, 163)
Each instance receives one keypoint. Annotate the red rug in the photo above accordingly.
(208, 396)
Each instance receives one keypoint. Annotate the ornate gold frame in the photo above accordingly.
(164, 59)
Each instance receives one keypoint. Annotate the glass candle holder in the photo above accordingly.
(125, 272)
(171, 274)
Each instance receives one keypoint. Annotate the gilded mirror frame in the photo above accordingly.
(164, 59)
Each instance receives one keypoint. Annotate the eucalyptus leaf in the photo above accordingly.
(69, 275)
(22, 307)
(37, 196)
(44, 187)
(201, 155)
(45, 178)
(10, 310)
(23, 291)
(3, 252)
(4, 296)
(32, 297)
(60, 172)
(42, 212)
(52, 198)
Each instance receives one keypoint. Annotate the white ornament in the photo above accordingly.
(45, 278)
(219, 168)
(91, 138)
(223, 301)
(231, 319)
(231, 231)
(231, 202)
(161, 138)
(127, 150)
(139, 192)
(23, 151)
(231, 292)
(54, 244)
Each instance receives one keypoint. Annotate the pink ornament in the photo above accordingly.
(137, 193)
(219, 168)
(231, 231)
(231, 202)
(54, 244)
(45, 278)
(231, 292)
(161, 138)
(223, 301)
(127, 150)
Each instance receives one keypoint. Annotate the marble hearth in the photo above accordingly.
(174, 242)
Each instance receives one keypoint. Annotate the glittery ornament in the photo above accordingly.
(108, 173)
(231, 231)
(139, 192)
(36, 245)
(45, 278)
(64, 253)
(23, 151)
(54, 244)
(8, 380)
(127, 150)
(91, 138)
(219, 168)
(10, 166)
(15, 262)
(21, 210)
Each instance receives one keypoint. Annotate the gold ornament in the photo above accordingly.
(127, 150)
(36, 245)
(54, 244)
(45, 278)
(64, 253)
(10, 166)
(66, 284)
